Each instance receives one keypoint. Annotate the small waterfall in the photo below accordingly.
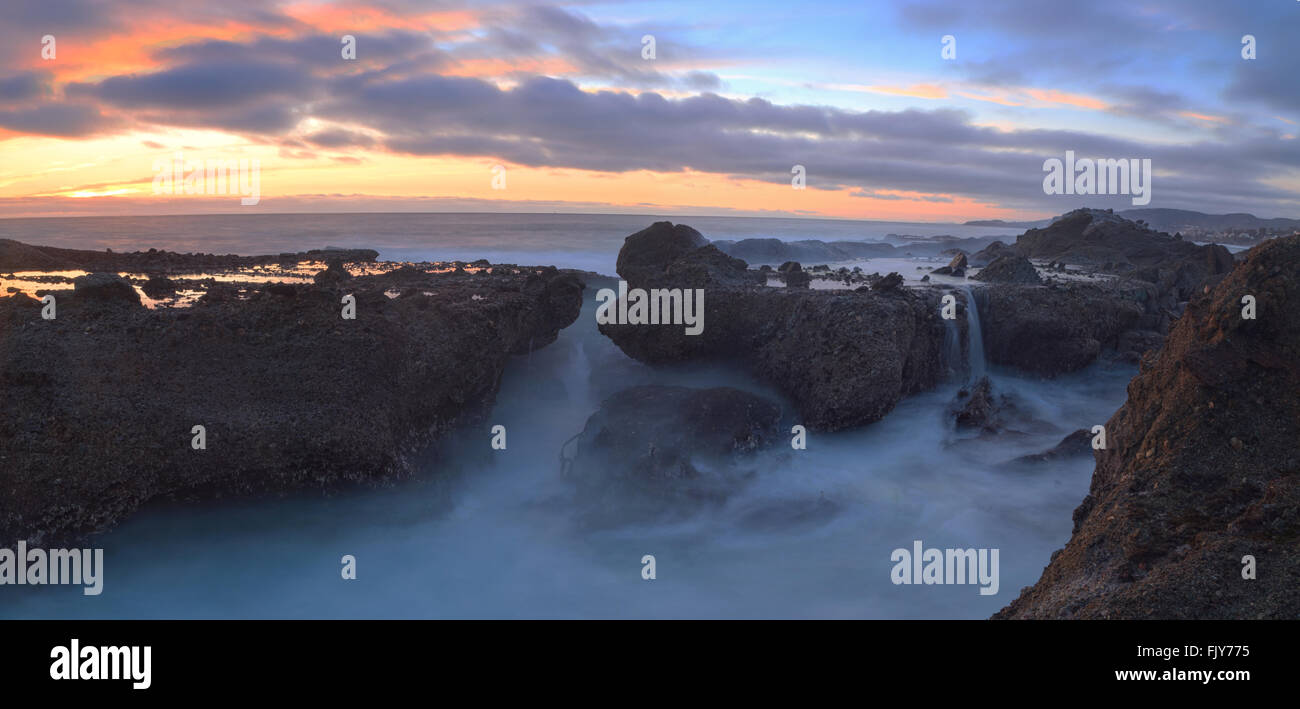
(975, 336)
(577, 375)
(951, 347)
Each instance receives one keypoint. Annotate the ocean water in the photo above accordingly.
(586, 241)
(499, 534)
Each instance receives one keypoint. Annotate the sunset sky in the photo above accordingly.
(560, 95)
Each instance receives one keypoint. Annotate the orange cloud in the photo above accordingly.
(927, 91)
(1204, 117)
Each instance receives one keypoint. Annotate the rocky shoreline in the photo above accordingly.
(1201, 474)
(100, 403)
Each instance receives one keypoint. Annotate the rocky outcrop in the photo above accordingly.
(670, 438)
(99, 404)
(104, 288)
(1009, 269)
(956, 267)
(17, 256)
(1056, 329)
(1113, 244)
(990, 253)
(977, 407)
(843, 357)
(1201, 469)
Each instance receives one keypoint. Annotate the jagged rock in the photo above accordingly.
(990, 253)
(977, 407)
(1117, 245)
(1009, 269)
(105, 288)
(888, 283)
(1201, 468)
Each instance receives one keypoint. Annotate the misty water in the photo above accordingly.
(499, 534)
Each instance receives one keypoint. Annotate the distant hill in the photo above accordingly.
(1171, 220)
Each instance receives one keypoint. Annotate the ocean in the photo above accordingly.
(585, 241)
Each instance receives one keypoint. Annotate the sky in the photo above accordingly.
(940, 110)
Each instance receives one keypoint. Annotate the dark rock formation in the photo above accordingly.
(1116, 245)
(652, 437)
(956, 267)
(976, 407)
(105, 288)
(1054, 330)
(844, 358)
(1201, 468)
(17, 256)
(891, 282)
(1009, 269)
(334, 274)
(991, 253)
(99, 404)
(1075, 445)
(159, 286)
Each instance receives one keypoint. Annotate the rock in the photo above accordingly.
(291, 395)
(1116, 245)
(843, 357)
(105, 288)
(1174, 505)
(1075, 445)
(333, 275)
(990, 253)
(888, 283)
(1009, 269)
(1050, 331)
(797, 279)
(976, 407)
(789, 266)
(958, 262)
(650, 436)
(646, 254)
(159, 287)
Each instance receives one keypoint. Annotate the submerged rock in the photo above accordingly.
(1075, 445)
(1201, 469)
(654, 435)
